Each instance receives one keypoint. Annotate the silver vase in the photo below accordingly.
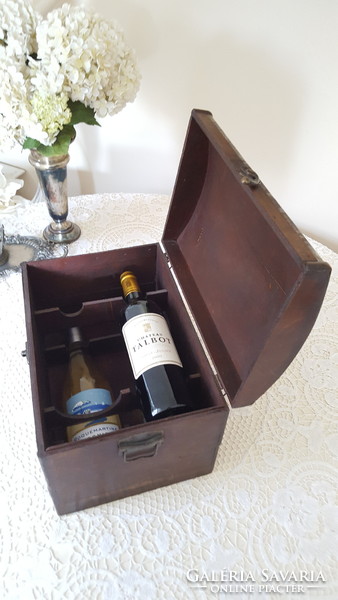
(52, 175)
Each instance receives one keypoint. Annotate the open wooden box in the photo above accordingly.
(242, 289)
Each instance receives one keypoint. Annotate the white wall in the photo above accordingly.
(267, 70)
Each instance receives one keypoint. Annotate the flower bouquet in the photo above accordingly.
(71, 67)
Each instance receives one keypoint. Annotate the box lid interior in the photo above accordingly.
(252, 282)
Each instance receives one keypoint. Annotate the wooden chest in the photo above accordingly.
(242, 289)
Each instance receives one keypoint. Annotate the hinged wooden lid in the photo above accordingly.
(252, 281)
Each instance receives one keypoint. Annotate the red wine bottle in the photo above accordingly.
(156, 365)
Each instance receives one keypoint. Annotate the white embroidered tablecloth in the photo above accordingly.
(263, 524)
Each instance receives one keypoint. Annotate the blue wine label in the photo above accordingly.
(149, 343)
(89, 401)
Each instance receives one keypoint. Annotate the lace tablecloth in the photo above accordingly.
(262, 525)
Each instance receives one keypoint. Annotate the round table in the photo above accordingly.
(262, 525)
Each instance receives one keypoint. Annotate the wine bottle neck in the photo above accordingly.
(74, 351)
(133, 297)
(75, 337)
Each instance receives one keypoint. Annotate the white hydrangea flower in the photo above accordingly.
(51, 112)
(17, 29)
(13, 99)
(89, 58)
(17, 116)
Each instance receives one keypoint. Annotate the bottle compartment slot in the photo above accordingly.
(107, 352)
(97, 318)
(100, 321)
(126, 406)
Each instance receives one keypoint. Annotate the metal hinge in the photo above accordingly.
(166, 256)
(24, 353)
(249, 177)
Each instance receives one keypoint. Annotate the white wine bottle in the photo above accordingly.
(86, 392)
(154, 359)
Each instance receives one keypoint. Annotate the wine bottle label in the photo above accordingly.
(90, 429)
(149, 343)
(89, 401)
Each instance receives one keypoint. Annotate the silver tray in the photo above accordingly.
(18, 249)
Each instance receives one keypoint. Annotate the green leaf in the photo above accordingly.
(82, 113)
(30, 143)
(60, 146)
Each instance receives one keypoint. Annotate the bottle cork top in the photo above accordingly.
(129, 283)
(75, 336)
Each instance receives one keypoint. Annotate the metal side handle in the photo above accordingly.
(142, 445)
